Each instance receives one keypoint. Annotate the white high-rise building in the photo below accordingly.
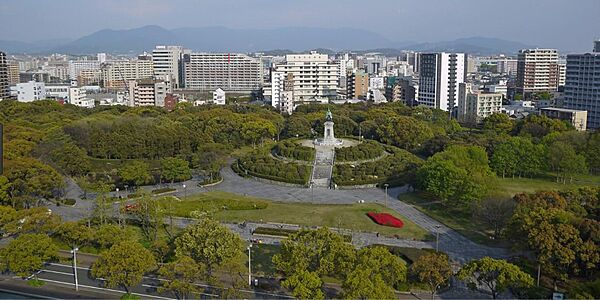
(77, 67)
(313, 77)
(166, 61)
(228, 71)
(101, 57)
(31, 91)
(148, 92)
(116, 73)
(582, 90)
(439, 77)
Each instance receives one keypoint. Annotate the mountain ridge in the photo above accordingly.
(224, 39)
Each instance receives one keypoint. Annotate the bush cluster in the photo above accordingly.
(163, 190)
(291, 149)
(287, 232)
(363, 151)
(261, 164)
(395, 169)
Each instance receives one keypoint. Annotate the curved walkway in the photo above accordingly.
(458, 247)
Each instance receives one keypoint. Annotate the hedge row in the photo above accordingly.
(363, 151)
(394, 169)
(261, 164)
(287, 232)
(291, 149)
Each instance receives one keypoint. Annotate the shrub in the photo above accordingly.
(287, 232)
(260, 164)
(363, 151)
(385, 219)
(395, 169)
(291, 149)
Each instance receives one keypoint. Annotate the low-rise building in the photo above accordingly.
(475, 106)
(31, 91)
(577, 118)
(218, 97)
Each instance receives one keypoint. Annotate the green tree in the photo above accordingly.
(498, 122)
(321, 251)
(4, 190)
(136, 172)
(363, 284)
(563, 160)
(31, 180)
(432, 269)
(381, 261)
(74, 234)
(495, 274)
(28, 253)
(209, 243)
(405, 132)
(180, 276)
(124, 265)
(305, 285)
(175, 169)
(108, 235)
(149, 215)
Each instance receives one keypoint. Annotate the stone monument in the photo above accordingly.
(328, 134)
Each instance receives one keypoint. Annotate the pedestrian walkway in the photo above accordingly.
(323, 166)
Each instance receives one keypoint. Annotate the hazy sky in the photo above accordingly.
(565, 24)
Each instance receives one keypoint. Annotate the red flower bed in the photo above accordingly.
(385, 219)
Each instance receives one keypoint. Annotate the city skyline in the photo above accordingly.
(527, 22)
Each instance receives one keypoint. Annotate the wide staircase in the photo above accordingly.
(323, 166)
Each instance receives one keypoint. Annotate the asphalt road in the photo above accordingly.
(62, 274)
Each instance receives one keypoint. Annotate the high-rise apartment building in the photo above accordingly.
(13, 73)
(166, 61)
(357, 85)
(582, 83)
(597, 46)
(116, 73)
(4, 79)
(228, 71)
(537, 71)
(76, 67)
(439, 77)
(148, 92)
(507, 66)
(314, 77)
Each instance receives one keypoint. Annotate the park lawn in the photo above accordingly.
(462, 221)
(229, 207)
(262, 259)
(347, 216)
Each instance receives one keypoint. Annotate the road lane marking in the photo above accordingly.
(105, 289)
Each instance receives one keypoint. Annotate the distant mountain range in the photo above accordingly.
(222, 39)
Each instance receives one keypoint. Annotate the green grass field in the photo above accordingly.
(230, 207)
(462, 221)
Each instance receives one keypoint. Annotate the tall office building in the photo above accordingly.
(315, 78)
(439, 77)
(166, 61)
(228, 71)
(507, 66)
(537, 71)
(597, 46)
(581, 85)
(116, 73)
(4, 80)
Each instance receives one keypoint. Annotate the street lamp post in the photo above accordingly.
(249, 265)
(437, 237)
(74, 251)
(184, 191)
(117, 190)
(386, 193)
(312, 191)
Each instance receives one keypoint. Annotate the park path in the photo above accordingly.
(323, 166)
(458, 247)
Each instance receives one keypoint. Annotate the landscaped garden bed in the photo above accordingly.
(291, 149)
(364, 151)
(385, 219)
(163, 190)
(260, 164)
(282, 232)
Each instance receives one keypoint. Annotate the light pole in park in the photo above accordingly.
(117, 190)
(74, 251)
(385, 185)
(184, 191)
(437, 237)
(250, 264)
(312, 191)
